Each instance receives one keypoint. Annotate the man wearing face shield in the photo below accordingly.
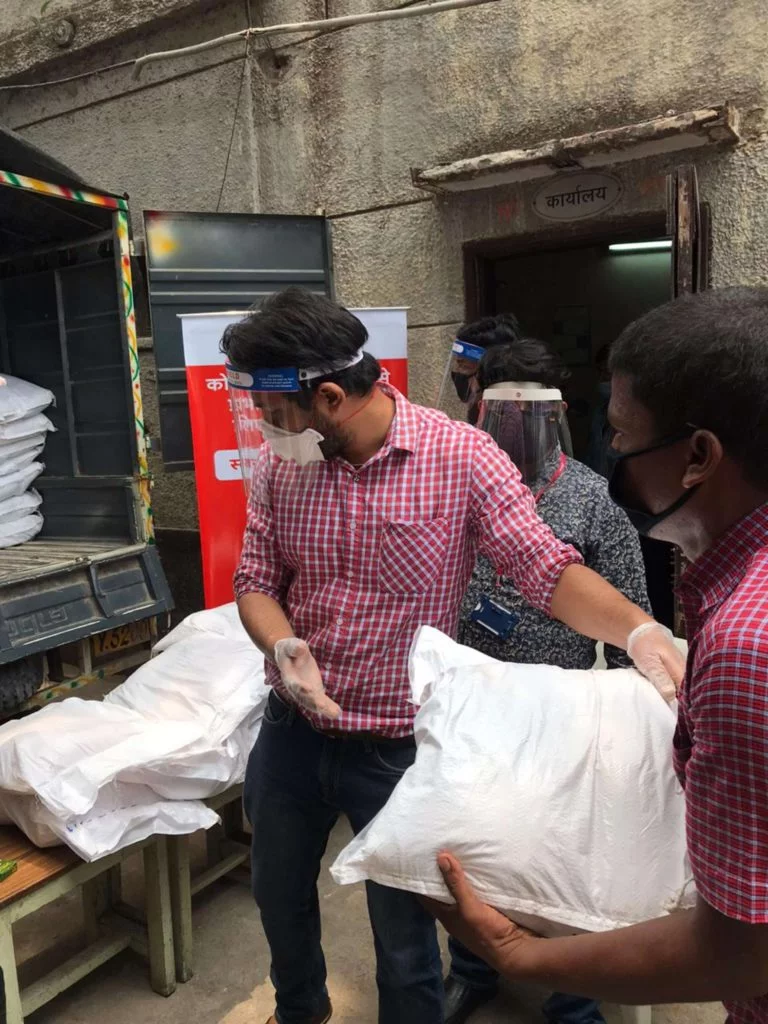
(521, 408)
(690, 451)
(365, 517)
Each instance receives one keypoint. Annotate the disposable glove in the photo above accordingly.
(301, 677)
(653, 649)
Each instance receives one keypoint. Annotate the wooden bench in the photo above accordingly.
(228, 849)
(43, 876)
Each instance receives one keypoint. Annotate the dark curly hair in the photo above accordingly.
(523, 360)
(491, 330)
(306, 330)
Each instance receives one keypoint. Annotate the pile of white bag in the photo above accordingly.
(554, 788)
(23, 430)
(100, 776)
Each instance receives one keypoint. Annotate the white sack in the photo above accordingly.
(203, 770)
(122, 815)
(20, 398)
(554, 788)
(16, 483)
(218, 685)
(25, 528)
(18, 455)
(182, 725)
(20, 505)
(66, 753)
(223, 621)
(206, 679)
(20, 446)
(29, 426)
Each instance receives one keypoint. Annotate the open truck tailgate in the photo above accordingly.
(59, 591)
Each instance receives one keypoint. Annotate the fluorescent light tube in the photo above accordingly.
(660, 245)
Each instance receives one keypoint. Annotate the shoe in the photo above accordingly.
(322, 1019)
(462, 1000)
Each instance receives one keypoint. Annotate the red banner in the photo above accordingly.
(220, 491)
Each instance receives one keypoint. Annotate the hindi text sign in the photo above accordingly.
(577, 196)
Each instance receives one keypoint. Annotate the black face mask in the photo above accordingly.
(644, 521)
(462, 383)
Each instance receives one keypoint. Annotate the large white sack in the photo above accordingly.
(206, 679)
(16, 483)
(214, 682)
(433, 654)
(66, 753)
(203, 769)
(20, 530)
(122, 815)
(20, 398)
(16, 455)
(20, 505)
(10, 450)
(554, 788)
(29, 426)
(223, 621)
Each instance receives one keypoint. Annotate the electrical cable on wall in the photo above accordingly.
(237, 106)
(323, 26)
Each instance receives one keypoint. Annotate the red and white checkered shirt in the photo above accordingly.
(721, 744)
(359, 558)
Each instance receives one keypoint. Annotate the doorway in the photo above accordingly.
(578, 297)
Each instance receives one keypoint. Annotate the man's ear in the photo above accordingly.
(331, 396)
(704, 457)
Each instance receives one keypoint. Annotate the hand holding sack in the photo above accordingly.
(553, 788)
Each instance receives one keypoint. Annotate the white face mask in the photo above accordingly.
(302, 448)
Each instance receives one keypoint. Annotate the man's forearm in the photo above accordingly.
(687, 957)
(264, 621)
(587, 603)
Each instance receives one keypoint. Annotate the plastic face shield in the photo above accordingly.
(524, 419)
(459, 392)
(273, 407)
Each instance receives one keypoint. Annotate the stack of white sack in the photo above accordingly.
(554, 788)
(23, 430)
(100, 776)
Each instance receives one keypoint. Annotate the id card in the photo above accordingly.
(494, 618)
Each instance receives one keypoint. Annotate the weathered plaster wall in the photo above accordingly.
(417, 92)
(371, 102)
(336, 123)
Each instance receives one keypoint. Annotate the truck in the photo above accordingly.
(83, 600)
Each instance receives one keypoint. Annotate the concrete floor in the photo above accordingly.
(231, 984)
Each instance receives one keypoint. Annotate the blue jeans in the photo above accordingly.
(558, 1009)
(297, 784)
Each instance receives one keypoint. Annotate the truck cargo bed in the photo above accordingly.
(40, 557)
(55, 591)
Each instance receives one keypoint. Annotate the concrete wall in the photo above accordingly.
(336, 123)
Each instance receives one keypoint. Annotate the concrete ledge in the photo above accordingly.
(709, 126)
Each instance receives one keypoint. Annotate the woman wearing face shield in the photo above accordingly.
(520, 406)
(472, 342)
